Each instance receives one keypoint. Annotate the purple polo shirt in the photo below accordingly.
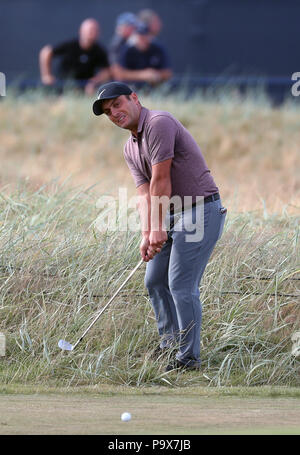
(161, 137)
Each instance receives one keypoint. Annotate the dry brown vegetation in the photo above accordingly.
(252, 150)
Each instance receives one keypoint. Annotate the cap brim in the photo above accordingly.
(97, 106)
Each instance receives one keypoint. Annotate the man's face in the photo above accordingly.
(155, 25)
(122, 111)
(125, 30)
(143, 42)
(89, 33)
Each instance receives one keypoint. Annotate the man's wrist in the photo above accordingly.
(159, 229)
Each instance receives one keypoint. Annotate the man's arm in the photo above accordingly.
(144, 207)
(154, 201)
(160, 193)
(165, 74)
(45, 59)
(102, 76)
(149, 75)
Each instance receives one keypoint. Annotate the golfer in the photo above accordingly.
(167, 165)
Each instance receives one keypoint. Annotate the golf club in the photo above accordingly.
(65, 345)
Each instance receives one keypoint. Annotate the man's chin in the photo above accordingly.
(125, 126)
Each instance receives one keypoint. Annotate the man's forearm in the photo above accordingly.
(153, 206)
(102, 76)
(165, 74)
(45, 59)
(150, 75)
(144, 208)
(160, 193)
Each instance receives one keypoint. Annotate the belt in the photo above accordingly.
(211, 198)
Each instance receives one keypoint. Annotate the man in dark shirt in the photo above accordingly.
(143, 60)
(83, 59)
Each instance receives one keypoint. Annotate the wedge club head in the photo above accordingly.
(65, 346)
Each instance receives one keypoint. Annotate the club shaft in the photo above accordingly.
(108, 303)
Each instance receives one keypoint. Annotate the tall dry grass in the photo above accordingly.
(251, 148)
(57, 269)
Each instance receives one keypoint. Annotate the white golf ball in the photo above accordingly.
(126, 416)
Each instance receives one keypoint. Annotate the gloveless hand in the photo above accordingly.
(144, 245)
(156, 241)
(48, 79)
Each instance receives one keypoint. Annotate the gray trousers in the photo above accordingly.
(173, 277)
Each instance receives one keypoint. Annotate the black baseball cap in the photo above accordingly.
(109, 91)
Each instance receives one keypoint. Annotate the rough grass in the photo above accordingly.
(57, 269)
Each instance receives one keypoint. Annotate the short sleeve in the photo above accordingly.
(62, 48)
(161, 137)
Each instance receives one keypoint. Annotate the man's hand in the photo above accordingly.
(90, 88)
(48, 79)
(144, 245)
(151, 76)
(152, 245)
(156, 241)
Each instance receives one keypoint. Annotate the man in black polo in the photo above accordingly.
(82, 60)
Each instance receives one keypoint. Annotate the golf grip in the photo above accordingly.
(110, 300)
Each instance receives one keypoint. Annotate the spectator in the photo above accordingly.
(152, 19)
(82, 59)
(142, 60)
(125, 26)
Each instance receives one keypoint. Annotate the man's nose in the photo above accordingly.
(114, 112)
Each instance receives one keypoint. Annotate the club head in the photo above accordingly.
(65, 346)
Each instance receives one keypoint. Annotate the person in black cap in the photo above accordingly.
(82, 60)
(109, 91)
(143, 60)
(167, 165)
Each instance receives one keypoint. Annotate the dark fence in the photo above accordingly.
(210, 41)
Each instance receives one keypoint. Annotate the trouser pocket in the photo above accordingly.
(223, 213)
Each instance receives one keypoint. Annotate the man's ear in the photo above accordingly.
(134, 97)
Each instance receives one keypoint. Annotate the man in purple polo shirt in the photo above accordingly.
(169, 168)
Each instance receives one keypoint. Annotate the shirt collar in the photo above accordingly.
(142, 118)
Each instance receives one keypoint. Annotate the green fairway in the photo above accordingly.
(154, 411)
